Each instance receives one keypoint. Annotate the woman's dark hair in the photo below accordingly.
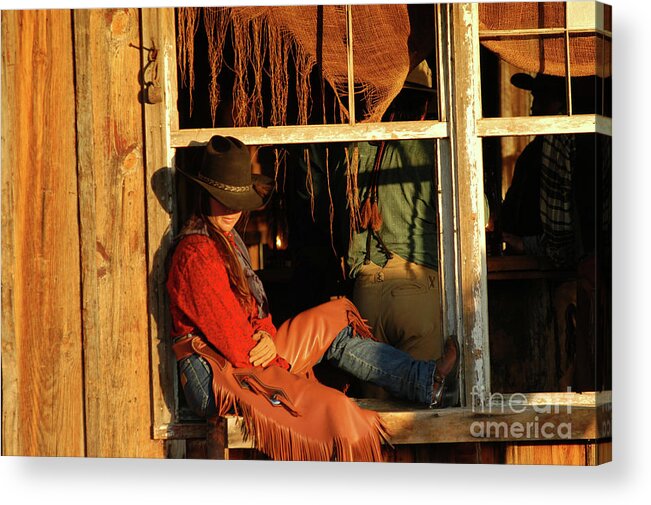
(226, 249)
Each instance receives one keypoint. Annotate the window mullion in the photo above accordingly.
(351, 66)
(468, 169)
(256, 135)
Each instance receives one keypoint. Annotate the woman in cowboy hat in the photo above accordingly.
(218, 304)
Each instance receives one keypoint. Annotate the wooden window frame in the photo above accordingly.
(460, 188)
(544, 125)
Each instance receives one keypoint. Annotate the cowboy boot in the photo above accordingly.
(445, 375)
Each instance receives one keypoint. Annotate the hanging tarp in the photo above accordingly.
(589, 53)
(388, 41)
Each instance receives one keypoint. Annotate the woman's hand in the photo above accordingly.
(265, 350)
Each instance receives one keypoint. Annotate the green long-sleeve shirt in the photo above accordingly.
(407, 202)
(407, 199)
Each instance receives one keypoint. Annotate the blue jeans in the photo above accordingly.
(196, 380)
(368, 360)
(383, 365)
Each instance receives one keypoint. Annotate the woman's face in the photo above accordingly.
(223, 218)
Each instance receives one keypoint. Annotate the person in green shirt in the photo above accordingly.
(395, 268)
(391, 260)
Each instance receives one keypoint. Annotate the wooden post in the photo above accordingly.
(42, 384)
(160, 118)
(113, 234)
(467, 152)
(217, 438)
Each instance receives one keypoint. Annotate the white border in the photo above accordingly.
(126, 481)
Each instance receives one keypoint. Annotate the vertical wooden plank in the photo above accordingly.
(599, 452)
(217, 438)
(547, 454)
(467, 151)
(591, 456)
(158, 31)
(196, 449)
(42, 401)
(491, 453)
(113, 234)
(443, 60)
(604, 452)
(10, 433)
(448, 238)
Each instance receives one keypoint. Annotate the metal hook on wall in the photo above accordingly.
(152, 93)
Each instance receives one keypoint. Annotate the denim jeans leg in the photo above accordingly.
(384, 365)
(196, 379)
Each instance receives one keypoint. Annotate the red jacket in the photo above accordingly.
(203, 303)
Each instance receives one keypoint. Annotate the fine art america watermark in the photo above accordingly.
(550, 421)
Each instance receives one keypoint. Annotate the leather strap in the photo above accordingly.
(192, 344)
(182, 347)
(247, 379)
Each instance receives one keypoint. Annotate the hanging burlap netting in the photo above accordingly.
(388, 41)
(589, 54)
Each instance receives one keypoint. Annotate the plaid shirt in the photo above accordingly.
(560, 238)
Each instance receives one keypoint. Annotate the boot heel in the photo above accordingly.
(445, 390)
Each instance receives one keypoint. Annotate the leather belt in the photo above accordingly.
(190, 344)
(182, 347)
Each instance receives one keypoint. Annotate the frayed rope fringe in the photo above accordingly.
(283, 444)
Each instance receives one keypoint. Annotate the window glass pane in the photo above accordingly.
(548, 246)
(514, 71)
(242, 70)
(604, 73)
(608, 17)
(521, 15)
(590, 66)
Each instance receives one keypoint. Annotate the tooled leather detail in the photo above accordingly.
(276, 396)
(192, 344)
(222, 186)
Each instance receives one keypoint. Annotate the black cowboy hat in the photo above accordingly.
(542, 83)
(226, 174)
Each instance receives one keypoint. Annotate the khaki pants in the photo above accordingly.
(401, 302)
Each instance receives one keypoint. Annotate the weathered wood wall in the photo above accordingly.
(42, 375)
(76, 353)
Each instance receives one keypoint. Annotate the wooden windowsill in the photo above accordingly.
(559, 417)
